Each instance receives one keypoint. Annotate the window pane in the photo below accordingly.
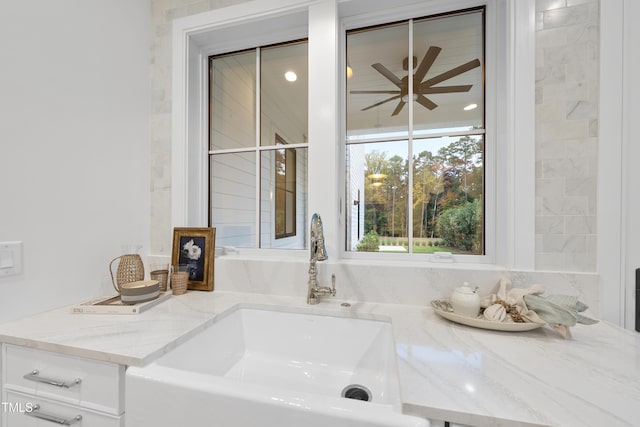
(454, 47)
(442, 84)
(233, 101)
(283, 101)
(285, 193)
(448, 195)
(233, 198)
(283, 198)
(378, 190)
(377, 59)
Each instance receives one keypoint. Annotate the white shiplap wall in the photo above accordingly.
(233, 185)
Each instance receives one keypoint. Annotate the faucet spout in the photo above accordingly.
(318, 252)
(316, 238)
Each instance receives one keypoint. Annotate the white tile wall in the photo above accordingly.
(162, 14)
(567, 36)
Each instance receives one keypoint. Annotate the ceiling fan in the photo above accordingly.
(420, 88)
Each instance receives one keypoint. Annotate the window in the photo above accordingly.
(507, 129)
(258, 102)
(285, 207)
(415, 146)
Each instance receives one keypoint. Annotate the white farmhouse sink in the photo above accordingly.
(257, 366)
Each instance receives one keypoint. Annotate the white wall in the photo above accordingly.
(74, 144)
(631, 153)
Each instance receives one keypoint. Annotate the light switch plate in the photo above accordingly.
(10, 258)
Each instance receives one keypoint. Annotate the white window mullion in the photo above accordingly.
(323, 121)
(410, 70)
(257, 148)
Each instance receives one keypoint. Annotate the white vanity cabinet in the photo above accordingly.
(42, 388)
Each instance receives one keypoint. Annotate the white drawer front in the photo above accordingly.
(23, 412)
(100, 386)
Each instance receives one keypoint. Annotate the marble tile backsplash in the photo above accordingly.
(567, 37)
(388, 283)
(163, 12)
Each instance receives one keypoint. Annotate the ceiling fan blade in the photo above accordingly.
(426, 102)
(380, 103)
(427, 62)
(451, 73)
(388, 74)
(398, 108)
(446, 89)
(356, 92)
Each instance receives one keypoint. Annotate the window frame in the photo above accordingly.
(510, 24)
(411, 139)
(492, 255)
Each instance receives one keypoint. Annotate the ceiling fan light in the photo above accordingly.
(405, 98)
(470, 107)
(377, 175)
(290, 76)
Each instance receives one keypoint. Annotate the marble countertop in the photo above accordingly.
(447, 371)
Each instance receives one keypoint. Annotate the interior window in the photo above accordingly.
(257, 103)
(285, 177)
(415, 146)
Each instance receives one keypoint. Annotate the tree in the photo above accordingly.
(461, 228)
(462, 157)
(376, 168)
(370, 242)
(426, 184)
(396, 189)
(446, 193)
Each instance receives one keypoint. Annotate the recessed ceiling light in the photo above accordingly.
(290, 76)
(470, 107)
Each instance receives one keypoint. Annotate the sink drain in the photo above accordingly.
(357, 392)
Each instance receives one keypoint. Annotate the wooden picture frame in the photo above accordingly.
(193, 250)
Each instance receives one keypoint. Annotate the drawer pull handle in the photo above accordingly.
(35, 376)
(36, 413)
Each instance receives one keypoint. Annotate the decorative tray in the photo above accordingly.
(112, 304)
(443, 309)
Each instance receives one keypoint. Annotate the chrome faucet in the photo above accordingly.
(318, 252)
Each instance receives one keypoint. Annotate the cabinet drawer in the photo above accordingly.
(88, 383)
(29, 411)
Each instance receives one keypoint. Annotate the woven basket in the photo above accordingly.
(179, 282)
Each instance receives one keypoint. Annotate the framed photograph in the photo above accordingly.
(193, 251)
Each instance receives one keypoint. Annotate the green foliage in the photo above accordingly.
(460, 227)
(370, 242)
(448, 180)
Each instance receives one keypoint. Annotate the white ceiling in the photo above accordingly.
(459, 37)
